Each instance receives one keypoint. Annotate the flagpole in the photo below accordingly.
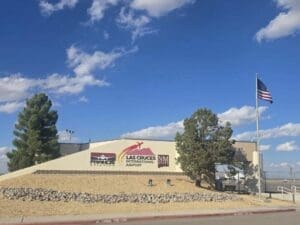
(257, 139)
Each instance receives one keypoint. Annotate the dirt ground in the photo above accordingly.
(112, 184)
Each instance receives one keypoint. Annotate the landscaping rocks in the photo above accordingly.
(40, 194)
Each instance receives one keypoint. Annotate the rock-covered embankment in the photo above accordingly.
(40, 194)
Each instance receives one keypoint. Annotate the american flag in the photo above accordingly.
(262, 91)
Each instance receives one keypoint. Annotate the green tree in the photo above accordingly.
(204, 143)
(36, 138)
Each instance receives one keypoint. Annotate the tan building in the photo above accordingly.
(121, 155)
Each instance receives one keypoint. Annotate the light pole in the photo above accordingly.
(291, 174)
(70, 132)
(293, 191)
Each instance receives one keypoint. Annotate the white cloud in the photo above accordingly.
(16, 87)
(10, 107)
(298, 163)
(136, 24)
(240, 116)
(285, 24)
(134, 16)
(4, 150)
(83, 63)
(282, 164)
(272, 165)
(3, 159)
(287, 130)
(56, 104)
(98, 7)
(288, 147)
(13, 90)
(48, 8)
(83, 99)
(63, 84)
(264, 147)
(158, 132)
(157, 8)
(236, 116)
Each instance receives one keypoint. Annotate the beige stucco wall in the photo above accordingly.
(80, 161)
(246, 148)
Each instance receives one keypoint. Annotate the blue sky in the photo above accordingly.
(137, 68)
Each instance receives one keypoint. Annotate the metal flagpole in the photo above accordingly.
(257, 140)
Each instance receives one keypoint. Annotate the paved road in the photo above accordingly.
(289, 218)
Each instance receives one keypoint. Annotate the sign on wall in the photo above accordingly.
(99, 158)
(163, 161)
(134, 155)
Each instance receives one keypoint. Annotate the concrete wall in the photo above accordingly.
(70, 148)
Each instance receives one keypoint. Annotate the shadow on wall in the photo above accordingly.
(249, 169)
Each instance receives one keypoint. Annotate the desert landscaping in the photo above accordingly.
(61, 194)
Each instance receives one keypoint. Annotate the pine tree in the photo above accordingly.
(204, 143)
(36, 134)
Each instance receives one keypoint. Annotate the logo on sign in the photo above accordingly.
(99, 158)
(134, 155)
(163, 161)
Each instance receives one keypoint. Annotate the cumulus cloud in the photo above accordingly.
(48, 8)
(83, 63)
(236, 116)
(285, 24)
(286, 130)
(3, 151)
(157, 8)
(137, 24)
(133, 18)
(3, 159)
(288, 147)
(14, 89)
(157, 132)
(64, 84)
(10, 107)
(83, 99)
(264, 147)
(281, 164)
(98, 7)
(240, 116)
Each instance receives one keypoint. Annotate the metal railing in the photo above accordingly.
(288, 191)
(296, 189)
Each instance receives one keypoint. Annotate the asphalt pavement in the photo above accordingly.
(239, 216)
(286, 218)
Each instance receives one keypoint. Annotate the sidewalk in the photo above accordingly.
(286, 197)
(110, 218)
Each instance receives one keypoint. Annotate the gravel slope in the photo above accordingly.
(108, 184)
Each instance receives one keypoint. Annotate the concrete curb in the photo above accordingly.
(124, 219)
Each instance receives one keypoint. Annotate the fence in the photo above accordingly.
(285, 179)
(270, 181)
